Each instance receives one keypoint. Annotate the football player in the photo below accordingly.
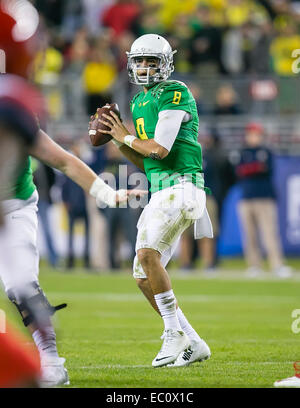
(165, 118)
(21, 137)
(20, 364)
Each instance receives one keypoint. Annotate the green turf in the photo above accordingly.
(109, 334)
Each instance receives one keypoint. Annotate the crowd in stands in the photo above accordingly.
(88, 40)
(218, 37)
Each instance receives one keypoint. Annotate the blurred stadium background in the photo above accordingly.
(237, 58)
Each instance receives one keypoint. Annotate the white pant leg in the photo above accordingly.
(164, 219)
(167, 255)
(5, 259)
(20, 235)
(138, 271)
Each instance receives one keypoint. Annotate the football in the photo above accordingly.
(95, 127)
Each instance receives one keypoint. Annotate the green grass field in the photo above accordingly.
(109, 334)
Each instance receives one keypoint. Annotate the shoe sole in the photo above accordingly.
(50, 385)
(199, 360)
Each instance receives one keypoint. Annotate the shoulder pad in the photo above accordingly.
(168, 86)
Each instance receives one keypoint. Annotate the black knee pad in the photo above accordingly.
(33, 305)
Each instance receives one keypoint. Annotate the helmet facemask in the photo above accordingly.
(162, 71)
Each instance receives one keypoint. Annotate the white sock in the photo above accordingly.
(46, 342)
(166, 303)
(186, 327)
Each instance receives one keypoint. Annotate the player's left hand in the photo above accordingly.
(117, 130)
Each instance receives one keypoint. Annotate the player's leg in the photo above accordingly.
(113, 222)
(207, 246)
(43, 210)
(175, 340)
(145, 287)
(158, 229)
(250, 245)
(128, 221)
(142, 280)
(186, 252)
(207, 250)
(22, 286)
(266, 213)
(198, 349)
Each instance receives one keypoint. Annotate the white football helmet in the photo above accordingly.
(150, 45)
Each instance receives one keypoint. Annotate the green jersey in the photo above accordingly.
(185, 157)
(24, 186)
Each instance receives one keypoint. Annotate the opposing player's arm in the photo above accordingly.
(50, 153)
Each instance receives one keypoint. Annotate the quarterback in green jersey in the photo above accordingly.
(166, 149)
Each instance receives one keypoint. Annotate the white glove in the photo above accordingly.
(105, 194)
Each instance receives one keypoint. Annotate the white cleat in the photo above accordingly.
(254, 272)
(283, 272)
(291, 382)
(197, 351)
(53, 372)
(175, 342)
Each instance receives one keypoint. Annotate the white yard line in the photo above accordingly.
(132, 297)
(125, 367)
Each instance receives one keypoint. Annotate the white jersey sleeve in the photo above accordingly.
(168, 125)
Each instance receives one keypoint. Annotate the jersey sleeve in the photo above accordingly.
(167, 127)
(175, 97)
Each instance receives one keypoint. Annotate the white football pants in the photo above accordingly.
(167, 215)
(19, 257)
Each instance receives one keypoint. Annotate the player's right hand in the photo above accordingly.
(124, 196)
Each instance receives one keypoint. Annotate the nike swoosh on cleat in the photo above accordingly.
(187, 355)
(163, 358)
